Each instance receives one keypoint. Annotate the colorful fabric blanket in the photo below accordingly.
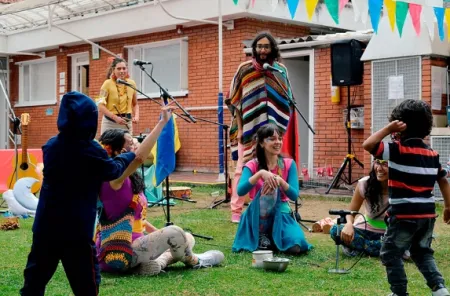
(259, 97)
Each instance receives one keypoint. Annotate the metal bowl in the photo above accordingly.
(276, 264)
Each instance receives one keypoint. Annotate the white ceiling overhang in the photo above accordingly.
(34, 13)
(26, 27)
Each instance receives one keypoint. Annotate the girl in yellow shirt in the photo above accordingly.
(118, 102)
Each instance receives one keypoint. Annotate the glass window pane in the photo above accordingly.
(166, 68)
(26, 83)
(3, 63)
(43, 81)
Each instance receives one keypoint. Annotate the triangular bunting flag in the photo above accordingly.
(415, 10)
(375, 12)
(428, 17)
(360, 10)
(333, 9)
(364, 12)
(235, 2)
(292, 5)
(274, 5)
(401, 10)
(342, 4)
(310, 8)
(439, 12)
(390, 7)
(253, 3)
(447, 20)
(356, 9)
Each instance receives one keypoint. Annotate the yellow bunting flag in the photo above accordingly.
(447, 20)
(390, 6)
(311, 7)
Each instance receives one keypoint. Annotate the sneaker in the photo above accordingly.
(350, 252)
(407, 255)
(148, 268)
(440, 290)
(209, 259)
(235, 218)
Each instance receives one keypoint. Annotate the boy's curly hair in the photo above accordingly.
(418, 118)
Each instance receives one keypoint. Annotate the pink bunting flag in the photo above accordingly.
(253, 3)
(342, 4)
(415, 11)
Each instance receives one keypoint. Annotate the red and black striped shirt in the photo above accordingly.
(414, 169)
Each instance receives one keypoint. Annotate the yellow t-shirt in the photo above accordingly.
(120, 95)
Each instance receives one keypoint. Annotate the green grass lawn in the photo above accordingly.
(306, 275)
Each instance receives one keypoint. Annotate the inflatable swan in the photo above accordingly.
(21, 202)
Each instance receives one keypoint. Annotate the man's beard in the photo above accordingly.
(262, 61)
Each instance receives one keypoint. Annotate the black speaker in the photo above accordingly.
(346, 66)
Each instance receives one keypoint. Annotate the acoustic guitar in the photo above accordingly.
(26, 163)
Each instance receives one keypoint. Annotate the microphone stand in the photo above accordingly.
(150, 98)
(165, 94)
(297, 216)
(292, 102)
(341, 220)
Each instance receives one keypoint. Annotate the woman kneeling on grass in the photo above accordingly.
(270, 180)
(153, 249)
(356, 235)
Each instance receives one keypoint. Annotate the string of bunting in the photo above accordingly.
(397, 12)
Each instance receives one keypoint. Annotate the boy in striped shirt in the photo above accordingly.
(414, 168)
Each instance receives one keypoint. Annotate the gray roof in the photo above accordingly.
(322, 39)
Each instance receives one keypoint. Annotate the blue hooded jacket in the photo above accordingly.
(75, 166)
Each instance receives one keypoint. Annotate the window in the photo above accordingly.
(170, 67)
(410, 70)
(37, 82)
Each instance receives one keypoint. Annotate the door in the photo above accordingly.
(80, 72)
(299, 73)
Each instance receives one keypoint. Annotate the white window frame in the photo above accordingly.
(74, 65)
(184, 54)
(5, 116)
(21, 102)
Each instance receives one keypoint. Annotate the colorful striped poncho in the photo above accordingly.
(258, 97)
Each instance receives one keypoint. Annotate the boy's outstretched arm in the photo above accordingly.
(445, 190)
(372, 142)
(108, 168)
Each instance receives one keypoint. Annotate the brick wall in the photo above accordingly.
(199, 141)
(330, 141)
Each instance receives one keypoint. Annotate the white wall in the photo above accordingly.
(410, 44)
(299, 77)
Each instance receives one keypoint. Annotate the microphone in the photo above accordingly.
(121, 81)
(137, 62)
(342, 212)
(268, 67)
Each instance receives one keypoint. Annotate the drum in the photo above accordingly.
(181, 192)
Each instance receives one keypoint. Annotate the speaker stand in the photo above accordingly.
(340, 176)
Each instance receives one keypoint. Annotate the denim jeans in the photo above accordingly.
(364, 241)
(415, 235)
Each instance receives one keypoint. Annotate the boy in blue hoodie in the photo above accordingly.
(75, 166)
